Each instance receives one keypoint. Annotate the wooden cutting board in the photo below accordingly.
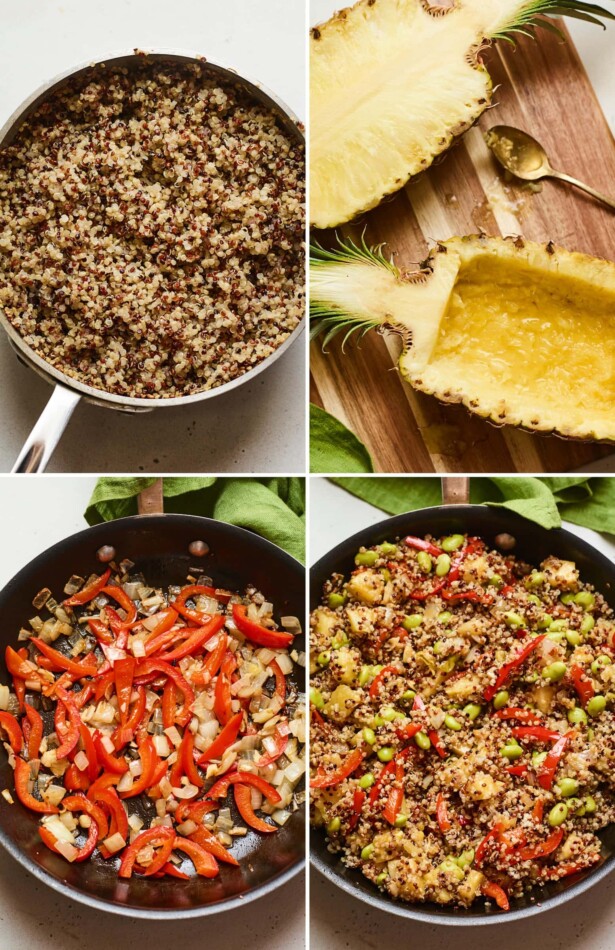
(541, 87)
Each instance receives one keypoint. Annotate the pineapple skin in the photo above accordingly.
(336, 30)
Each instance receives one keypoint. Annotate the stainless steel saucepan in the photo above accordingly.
(67, 391)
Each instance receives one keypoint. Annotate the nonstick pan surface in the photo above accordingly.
(158, 545)
(534, 544)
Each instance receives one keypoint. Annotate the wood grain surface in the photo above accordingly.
(540, 87)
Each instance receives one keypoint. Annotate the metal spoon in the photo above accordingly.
(525, 158)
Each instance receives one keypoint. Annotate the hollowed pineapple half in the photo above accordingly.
(520, 333)
(393, 82)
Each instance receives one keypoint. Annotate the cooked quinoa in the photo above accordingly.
(463, 725)
(151, 230)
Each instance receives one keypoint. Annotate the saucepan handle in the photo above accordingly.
(151, 499)
(45, 435)
(455, 490)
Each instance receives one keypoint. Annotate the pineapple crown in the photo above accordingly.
(538, 13)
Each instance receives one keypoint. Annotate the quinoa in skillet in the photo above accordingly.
(151, 231)
(463, 741)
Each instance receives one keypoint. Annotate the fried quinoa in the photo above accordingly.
(151, 230)
(463, 727)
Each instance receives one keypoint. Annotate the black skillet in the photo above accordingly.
(158, 544)
(533, 544)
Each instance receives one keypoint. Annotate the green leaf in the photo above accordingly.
(333, 447)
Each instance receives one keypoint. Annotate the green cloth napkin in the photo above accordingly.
(271, 507)
(583, 500)
(333, 447)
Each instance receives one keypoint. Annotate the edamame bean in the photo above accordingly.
(590, 805)
(596, 706)
(423, 741)
(535, 579)
(545, 622)
(445, 616)
(387, 548)
(576, 807)
(369, 735)
(558, 625)
(472, 711)
(501, 699)
(443, 565)
(366, 558)
(386, 753)
(512, 619)
(600, 662)
(367, 852)
(401, 821)
(556, 635)
(377, 721)
(465, 859)
(340, 641)
(424, 561)
(587, 623)
(453, 542)
(585, 599)
(538, 758)
(558, 815)
(367, 780)
(576, 715)
(495, 581)
(438, 645)
(388, 714)
(412, 621)
(451, 723)
(574, 637)
(337, 600)
(555, 671)
(568, 787)
(334, 825)
(448, 665)
(534, 599)
(511, 751)
(381, 877)
(365, 675)
(324, 658)
(408, 696)
(567, 598)
(316, 698)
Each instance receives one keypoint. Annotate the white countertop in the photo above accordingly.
(257, 427)
(34, 514)
(339, 921)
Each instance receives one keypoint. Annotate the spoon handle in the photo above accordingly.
(580, 184)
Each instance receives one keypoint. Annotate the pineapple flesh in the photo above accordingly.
(392, 83)
(519, 333)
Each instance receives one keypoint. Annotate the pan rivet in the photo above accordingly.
(505, 542)
(199, 548)
(106, 553)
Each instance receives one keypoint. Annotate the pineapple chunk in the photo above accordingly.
(471, 886)
(481, 787)
(366, 586)
(463, 687)
(341, 703)
(361, 620)
(561, 574)
(346, 666)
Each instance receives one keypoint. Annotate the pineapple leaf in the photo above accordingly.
(348, 252)
(334, 323)
(538, 13)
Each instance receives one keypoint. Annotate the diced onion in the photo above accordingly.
(187, 791)
(187, 827)
(4, 697)
(162, 746)
(81, 761)
(114, 843)
(281, 816)
(55, 793)
(173, 735)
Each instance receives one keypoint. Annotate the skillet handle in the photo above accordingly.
(150, 500)
(456, 491)
(45, 435)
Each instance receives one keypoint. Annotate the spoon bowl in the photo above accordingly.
(518, 152)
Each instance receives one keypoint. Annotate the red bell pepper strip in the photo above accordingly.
(124, 671)
(22, 778)
(476, 597)
(563, 870)
(195, 641)
(126, 603)
(222, 692)
(375, 790)
(280, 683)
(444, 822)
(539, 733)
(124, 734)
(103, 682)
(419, 544)
(89, 592)
(437, 743)
(243, 800)
(380, 677)
(209, 842)
(582, 684)
(491, 835)
(538, 811)
(214, 660)
(517, 769)
(157, 638)
(396, 795)
(80, 803)
(509, 668)
(74, 780)
(35, 736)
(496, 893)
(79, 670)
(109, 798)
(150, 836)
(101, 631)
(13, 731)
(426, 594)
(149, 763)
(281, 741)
(543, 848)
(262, 636)
(90, 750)
(169, 704)
(160, 859)
(196, 590)
(172, 871)
(83, 696)
(205, 864)
(71, 737)
(348, 766)
(153, 665)
(409, 731)
(358, 801)
(195, 810)
(528, 716)
(223, 740)
(550, 764)
(221, 787)
(186, 754)
(51, 841)
(109, 762)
